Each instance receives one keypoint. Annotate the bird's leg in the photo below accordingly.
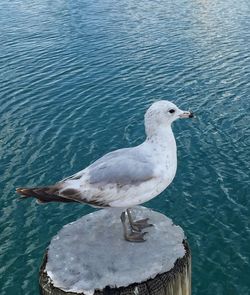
(131, 236)
(137, 225)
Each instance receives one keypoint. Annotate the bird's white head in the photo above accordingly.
(161, 114)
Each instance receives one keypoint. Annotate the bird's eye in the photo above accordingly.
(171, 111)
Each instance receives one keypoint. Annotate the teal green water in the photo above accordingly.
(76, 79)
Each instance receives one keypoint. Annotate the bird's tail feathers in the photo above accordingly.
(44, 194)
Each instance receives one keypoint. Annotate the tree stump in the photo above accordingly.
(90, 256)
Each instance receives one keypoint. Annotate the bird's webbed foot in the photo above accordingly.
(135, 236)
(138, 225)
(131, 235)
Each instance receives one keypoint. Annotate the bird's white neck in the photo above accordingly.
(162, 136)
(162, 148)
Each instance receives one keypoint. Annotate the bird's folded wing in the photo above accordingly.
(102, 181)
(122, 167)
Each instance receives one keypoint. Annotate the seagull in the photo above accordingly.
(126, 177)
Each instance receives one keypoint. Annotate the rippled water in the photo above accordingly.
(76, 79)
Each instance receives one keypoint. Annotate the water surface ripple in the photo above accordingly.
(76, 79)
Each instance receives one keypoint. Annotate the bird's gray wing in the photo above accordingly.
(98, 183)
(122, 167)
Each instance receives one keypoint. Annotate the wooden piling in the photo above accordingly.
(173, 281)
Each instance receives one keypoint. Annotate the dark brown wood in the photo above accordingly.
(176, 281)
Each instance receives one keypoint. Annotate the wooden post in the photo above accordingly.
(90, 256)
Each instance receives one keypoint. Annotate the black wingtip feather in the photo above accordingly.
(42, 194)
